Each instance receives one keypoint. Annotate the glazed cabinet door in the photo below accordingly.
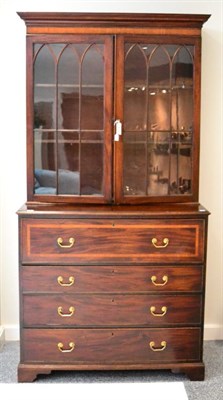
(157, 89)
(69, 118)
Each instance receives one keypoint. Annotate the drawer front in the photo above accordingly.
(107, 346)
(111, 310)
(105, 241)
(74, 279)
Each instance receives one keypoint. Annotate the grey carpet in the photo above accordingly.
(210, 389)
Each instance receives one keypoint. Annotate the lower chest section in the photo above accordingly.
(112, 291)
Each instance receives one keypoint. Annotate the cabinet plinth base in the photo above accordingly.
(196, 373)
(29, 372)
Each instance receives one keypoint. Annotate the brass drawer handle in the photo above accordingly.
(153, 348)
(164, 279)
(71, 345)
(153, 311)
(162, 246)
(61, 282)
(60, 311)
(65, 246)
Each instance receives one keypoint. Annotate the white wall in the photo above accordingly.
(13, 136)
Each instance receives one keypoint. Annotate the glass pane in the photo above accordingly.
(182, 93)
(159, 109)
(182, 75)
(159, 67)
(92, 160)
(45, 162)
(68, 163)
(135, 113)
(181, 169)
(69, 118)
(68, 89)
(44, 66)
(92, 91)
(159, 89)
(135, 164)
(174, 170)
(44, 89)
(68, 181)
(44, 106)
(185, 169)
(158, 150)
(182, 109)
(158, 92)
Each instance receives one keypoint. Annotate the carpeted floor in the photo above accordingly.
(210, 389)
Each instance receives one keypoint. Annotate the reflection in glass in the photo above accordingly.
(159, 67)
(158, 119)
(182, 109)
(68, 89)
(68, 150)
(44, 89)
(45, 161)
(182, 70)
(92, 89)
(135, 158)
(92, 168)
(159, 110)
(182, 95)
(135, 94)
(68, 118)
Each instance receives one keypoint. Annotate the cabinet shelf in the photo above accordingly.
(83, 141)
(46, 130)
(162, 89)
(65, 85)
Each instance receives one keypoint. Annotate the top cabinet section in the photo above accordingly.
(113, 107)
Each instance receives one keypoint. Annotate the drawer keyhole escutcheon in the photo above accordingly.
(155, 314)
(71, 311)
(153, 348)
(60, 346)
(65, 246)
(61, 282)
(162, 246)
(164, 279)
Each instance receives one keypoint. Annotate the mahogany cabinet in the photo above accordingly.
(112, 236)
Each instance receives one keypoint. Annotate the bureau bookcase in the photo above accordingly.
(112, 238)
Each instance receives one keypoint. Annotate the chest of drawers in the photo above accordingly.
(112, 289)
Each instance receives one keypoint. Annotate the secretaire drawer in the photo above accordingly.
(111, 346)
(105, 278)
(111, 310)
(106, 241)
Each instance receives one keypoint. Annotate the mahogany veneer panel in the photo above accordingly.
(111, 310)
(111, 346)
(111, 278)
(107, 241)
